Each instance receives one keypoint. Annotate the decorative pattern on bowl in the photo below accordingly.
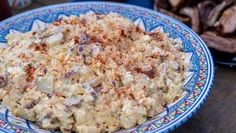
(197, 85)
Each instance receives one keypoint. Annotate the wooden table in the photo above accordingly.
(218, 114)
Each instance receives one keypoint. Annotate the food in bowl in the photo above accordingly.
(93, 73)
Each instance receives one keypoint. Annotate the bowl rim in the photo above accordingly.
(211, 70)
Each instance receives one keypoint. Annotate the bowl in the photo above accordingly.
(197, 84)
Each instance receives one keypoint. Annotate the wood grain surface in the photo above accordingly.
(218, 113)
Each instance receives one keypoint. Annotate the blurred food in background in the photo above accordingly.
(19, 4)
(214, 20)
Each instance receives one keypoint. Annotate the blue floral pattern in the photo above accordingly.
(197, 85)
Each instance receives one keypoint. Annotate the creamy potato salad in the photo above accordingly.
(88, 74)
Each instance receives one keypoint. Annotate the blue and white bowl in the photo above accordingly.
(197, 85)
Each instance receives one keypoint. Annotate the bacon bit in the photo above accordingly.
(102, 59)
(131, 95)
(150, 73)
(176, 98)
(122, 33)
(118, 40)
(29, 78)
(94, 39)
(76, 39)
(57, 23)
(83, 22)
(23, 56)
(29, 71)
(67, 30)
(137, 29)
(23, 89)
(66, 21)
(121, 93)
(33, 33)
(104, 36)
(42, 48)
(45, 70)
(155, 55)
(37, 48)
(156, 36)
(145, 88)
(125, 93)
